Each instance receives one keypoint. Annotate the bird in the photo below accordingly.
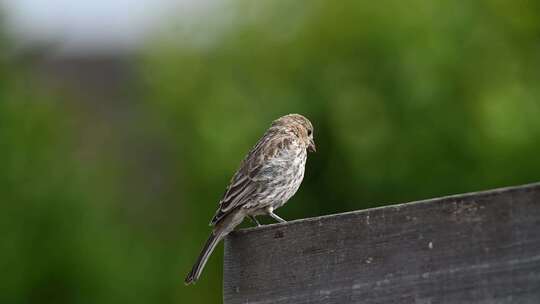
(268, 176)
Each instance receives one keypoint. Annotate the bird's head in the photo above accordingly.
(300, 126)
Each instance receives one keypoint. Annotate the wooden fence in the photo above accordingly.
(473, 248)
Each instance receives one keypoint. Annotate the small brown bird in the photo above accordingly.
(267, 178)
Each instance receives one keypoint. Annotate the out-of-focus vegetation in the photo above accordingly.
(410, 100)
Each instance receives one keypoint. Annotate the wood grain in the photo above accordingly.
(474, 248)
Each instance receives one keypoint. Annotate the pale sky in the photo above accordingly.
(92, 24)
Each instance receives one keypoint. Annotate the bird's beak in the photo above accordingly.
(312, 147)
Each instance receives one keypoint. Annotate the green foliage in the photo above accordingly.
(410, 100)
(62, 238)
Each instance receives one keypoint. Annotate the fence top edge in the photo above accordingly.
(524, 187)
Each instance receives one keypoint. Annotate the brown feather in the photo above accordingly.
(267, 178)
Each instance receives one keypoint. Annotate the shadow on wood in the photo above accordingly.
(474, 248)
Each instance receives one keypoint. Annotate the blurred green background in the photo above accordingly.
(111, 166)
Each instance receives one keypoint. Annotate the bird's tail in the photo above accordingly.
(210, 245)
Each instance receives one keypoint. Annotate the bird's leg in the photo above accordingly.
(254, 219)
(276, 217)
(270, 211)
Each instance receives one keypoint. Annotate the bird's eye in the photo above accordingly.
(309, 132)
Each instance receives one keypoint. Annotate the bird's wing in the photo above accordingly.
(254, 173)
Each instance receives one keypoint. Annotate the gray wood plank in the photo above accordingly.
(474, 248)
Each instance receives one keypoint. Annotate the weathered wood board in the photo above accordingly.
(474, 248)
